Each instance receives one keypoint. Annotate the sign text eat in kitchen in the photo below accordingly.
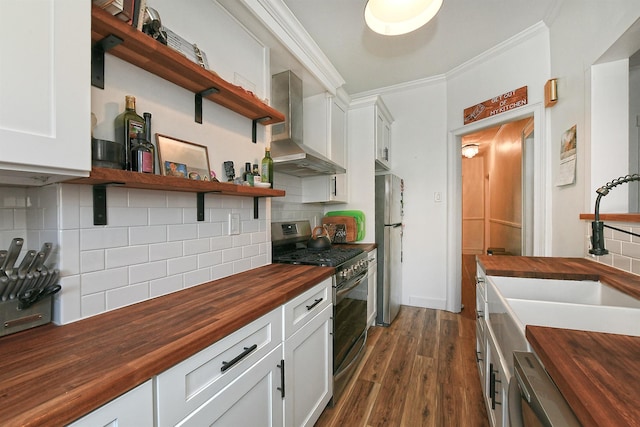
(497, 105)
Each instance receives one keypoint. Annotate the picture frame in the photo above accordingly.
(183, 158)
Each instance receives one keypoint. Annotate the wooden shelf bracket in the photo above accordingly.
(97, 58)
(198, 106)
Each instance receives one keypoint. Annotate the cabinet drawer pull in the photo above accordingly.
(315, 302)
(478, 358)
(479, 314)
(245, 353)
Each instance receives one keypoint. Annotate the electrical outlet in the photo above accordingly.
(234, 223)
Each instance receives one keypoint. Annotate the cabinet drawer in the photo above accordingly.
(305, 306)
(185, 387)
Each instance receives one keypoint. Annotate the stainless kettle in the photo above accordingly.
(319, 242)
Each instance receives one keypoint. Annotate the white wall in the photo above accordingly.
(419, 147)
(580, 33)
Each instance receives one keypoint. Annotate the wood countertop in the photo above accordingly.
(52, 375)
(597, 373)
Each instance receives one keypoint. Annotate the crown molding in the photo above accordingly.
(281, 22)
(500, 48)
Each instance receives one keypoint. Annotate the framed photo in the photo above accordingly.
(182, 158)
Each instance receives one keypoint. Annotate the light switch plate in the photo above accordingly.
(234, 223)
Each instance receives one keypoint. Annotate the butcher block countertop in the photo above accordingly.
(51, 375)
(597, 373)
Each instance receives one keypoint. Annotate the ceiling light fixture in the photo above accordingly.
(470, 150)
(394, 17)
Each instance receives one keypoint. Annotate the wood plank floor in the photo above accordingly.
(420, 371)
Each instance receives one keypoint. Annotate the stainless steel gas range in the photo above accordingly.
(350, 287)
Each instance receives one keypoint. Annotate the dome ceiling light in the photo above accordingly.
(394, 17)
(470, 150)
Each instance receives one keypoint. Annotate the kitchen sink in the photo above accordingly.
(596, 318)
(585, 292)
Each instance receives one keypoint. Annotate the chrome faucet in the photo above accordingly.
(597, 226)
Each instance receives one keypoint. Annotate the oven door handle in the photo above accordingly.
(340, 291)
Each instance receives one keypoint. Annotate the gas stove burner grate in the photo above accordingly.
(330, 257)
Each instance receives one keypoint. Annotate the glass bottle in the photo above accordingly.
(256, 174)
(149, 141)
(267, 168)
(141, 158)
(127, 125)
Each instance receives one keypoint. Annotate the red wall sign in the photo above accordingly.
(499, 104)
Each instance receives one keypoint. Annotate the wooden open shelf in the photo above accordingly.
(147, 53)
(100, 178)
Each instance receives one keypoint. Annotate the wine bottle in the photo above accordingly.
(141, 160)
(256, 174)
(128, 124)
(267, 168)
(149, 141)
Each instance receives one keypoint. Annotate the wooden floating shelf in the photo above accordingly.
(149, 54)
(100, 178)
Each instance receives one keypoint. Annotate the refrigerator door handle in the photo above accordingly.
(395, 225)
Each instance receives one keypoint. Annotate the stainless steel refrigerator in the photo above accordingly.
(389, 189)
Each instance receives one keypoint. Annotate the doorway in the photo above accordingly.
(497, 196)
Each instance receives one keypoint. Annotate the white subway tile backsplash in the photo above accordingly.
(230, 255)
(102, 238)
(197, 277)
(147, 235)
(241, 240)
(147, 199)
(196, 246)
(182, 232)
(624, 249)
(93, 304)
(169, 250)
(241, 265)
(145, 272)
(182, 265)
(222, 242)
(129, 255)
(152, 244)
(222, 270)
(209, 259)
(209, 229)
(127, 295)
(165, 216)
(165, 286)
(91, 261)
(100, 281)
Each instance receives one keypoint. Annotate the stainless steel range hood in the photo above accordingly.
(290, 155)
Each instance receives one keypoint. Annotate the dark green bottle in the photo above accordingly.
(267, 168)
(128, 124)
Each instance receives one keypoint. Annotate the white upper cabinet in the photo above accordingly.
(45, 80)
(370, 129)
(383, 136)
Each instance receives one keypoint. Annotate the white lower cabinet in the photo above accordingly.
(276, 371)
(132, 409)
(308, 355)
(308, 371)
(253, 399)
(192, 386)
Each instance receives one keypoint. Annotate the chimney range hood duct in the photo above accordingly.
(290, 155)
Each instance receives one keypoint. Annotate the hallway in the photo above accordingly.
(420, 371)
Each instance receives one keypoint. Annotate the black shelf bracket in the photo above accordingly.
(198, 106)
(256, 210)
(254, 127)
(100, 203)
(97, 58)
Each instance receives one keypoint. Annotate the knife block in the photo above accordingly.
(15, 320)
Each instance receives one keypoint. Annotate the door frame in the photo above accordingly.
(541, 196)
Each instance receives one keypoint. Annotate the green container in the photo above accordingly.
(358, 215)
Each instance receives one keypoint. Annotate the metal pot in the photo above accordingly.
(320, 241)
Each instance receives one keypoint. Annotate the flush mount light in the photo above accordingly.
(470, 150)
(394, 17)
